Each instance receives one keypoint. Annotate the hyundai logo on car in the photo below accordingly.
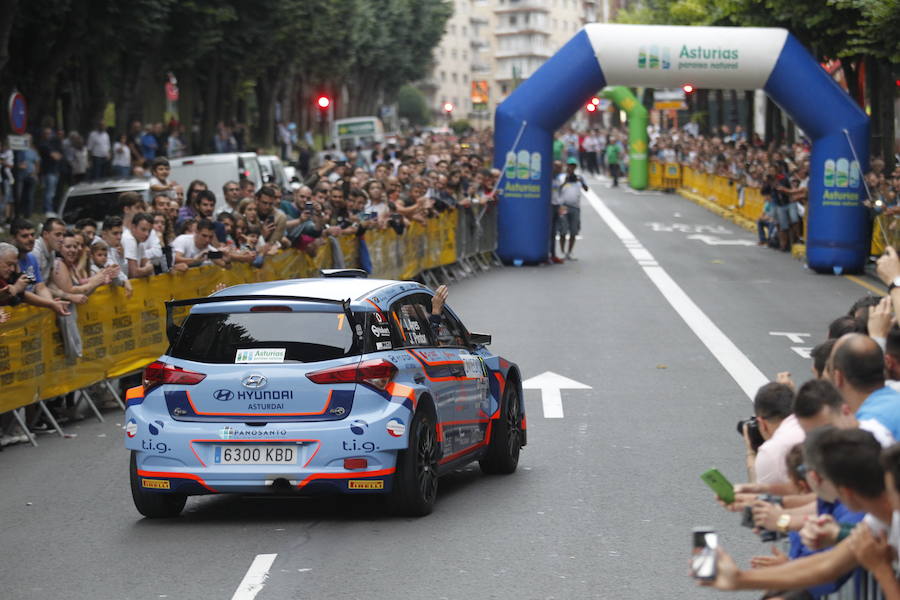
(254, 381)
(223, 395)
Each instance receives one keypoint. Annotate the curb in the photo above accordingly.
(798, 251)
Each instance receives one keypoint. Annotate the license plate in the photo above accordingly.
(255, 454)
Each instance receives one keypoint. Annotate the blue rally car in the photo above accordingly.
(339, 384)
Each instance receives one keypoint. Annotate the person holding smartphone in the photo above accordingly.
(196, 249)
(16, 286)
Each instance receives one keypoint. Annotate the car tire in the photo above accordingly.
(502, 456)
(416, 479)
(153, 505)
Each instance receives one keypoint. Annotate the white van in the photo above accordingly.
(273, 171)
(216, 169)
(348, 134)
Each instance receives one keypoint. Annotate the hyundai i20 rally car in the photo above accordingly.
(336, 384)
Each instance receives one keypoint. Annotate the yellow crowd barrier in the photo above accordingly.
(120, 335)
(747, 202)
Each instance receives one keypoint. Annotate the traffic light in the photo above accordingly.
(688, 89)
(595, 101)
(448, 107)
(591, 107)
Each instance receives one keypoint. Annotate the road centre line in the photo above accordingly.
(742, 370)
(255, 578)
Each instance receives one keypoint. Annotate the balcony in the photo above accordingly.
(523, 53)
(477, 44)
(478, 21)
(479, 67)
(523, 6)
(525, 29)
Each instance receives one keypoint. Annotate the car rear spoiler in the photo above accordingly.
(173, 330)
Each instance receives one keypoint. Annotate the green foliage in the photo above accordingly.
(875, 30)
(412, 106)
(460, 126)
(91, 52)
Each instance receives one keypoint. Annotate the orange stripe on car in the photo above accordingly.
(168, 475)
(354, 475)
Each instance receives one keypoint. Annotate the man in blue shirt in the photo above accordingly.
(856, 369)
(36, 292)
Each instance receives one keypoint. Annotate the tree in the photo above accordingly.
(412, 105)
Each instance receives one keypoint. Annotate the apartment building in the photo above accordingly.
(495, 44)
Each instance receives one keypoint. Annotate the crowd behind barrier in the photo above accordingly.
(417, 207)
(766, 185)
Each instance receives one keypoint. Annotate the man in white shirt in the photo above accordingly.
(779, 427)
(196, 249)
(98, 146)
(133, 238)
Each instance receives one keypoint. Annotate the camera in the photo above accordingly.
(214, 254)
(396, 223)
(765, 535)
(756, 438)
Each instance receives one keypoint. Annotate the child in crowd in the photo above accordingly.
(100, 260)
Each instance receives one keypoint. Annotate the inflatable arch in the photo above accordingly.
(637, 134)
(666, 57)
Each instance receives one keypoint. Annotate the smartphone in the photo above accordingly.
(270, 219)
(214, 254)
(703, 553)
(721, 486)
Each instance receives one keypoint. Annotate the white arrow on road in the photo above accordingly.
(550, 385)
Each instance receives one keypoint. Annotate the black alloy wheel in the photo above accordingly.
(502, 456)
(416, 478)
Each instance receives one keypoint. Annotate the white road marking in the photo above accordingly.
(804, 351)
(711, 240)
(742, 370)
(255, 578)
(550, 384)
(795, 337)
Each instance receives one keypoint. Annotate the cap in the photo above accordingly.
(571, 161)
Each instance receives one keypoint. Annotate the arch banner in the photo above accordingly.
(669, 56)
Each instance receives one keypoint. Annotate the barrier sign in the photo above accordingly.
(17, 142)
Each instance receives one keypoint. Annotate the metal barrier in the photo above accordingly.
(862, 586)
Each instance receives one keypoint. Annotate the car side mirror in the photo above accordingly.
(480, 339)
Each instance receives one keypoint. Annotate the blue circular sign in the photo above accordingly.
(18, 113)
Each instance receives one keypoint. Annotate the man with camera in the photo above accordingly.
(20, 274)
(196, 249)
(779, 430)
(570, 188)
(273, 220)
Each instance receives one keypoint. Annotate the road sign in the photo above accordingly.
(18, 142)
(550, 385)
(18, 113)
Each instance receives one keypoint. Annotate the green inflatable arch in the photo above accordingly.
(637, 133)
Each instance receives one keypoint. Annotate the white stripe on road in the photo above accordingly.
(255, 578)
(735, 362)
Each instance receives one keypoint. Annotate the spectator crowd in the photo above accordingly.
(182, 225)
(823, 463)
(779, 171)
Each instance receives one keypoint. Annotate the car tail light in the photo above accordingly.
(355, 463)
(273, 308)
(158, 373)
(377, 373)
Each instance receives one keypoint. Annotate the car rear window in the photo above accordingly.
(91, 206)
(302, 337)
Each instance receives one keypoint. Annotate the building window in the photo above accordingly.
(512, 20)
(465, 78)
(443, 76)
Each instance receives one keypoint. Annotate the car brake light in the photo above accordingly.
(187, 162)
(377, 373)
(356, 463)
(271, 309)
(158, 373)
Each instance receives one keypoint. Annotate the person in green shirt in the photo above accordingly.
(612, 160)
(557, 148)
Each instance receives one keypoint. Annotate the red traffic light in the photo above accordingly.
(323, 101)
(448, 107)
(591, 107)
(595, 101)
(688, 88)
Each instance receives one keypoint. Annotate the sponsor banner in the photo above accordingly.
(155, 484)
(121, 335)
(669, 56)
(365, 484)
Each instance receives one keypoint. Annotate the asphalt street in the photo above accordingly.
(605, 497)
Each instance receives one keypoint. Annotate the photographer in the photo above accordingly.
(195, 249)
(780, 430)
(36, 291)
(272, 220)
(16, 287)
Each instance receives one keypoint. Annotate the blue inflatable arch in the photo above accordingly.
(665, 57)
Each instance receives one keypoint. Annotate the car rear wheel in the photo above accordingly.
(502, 456)
(416, 479)
(153, 505)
